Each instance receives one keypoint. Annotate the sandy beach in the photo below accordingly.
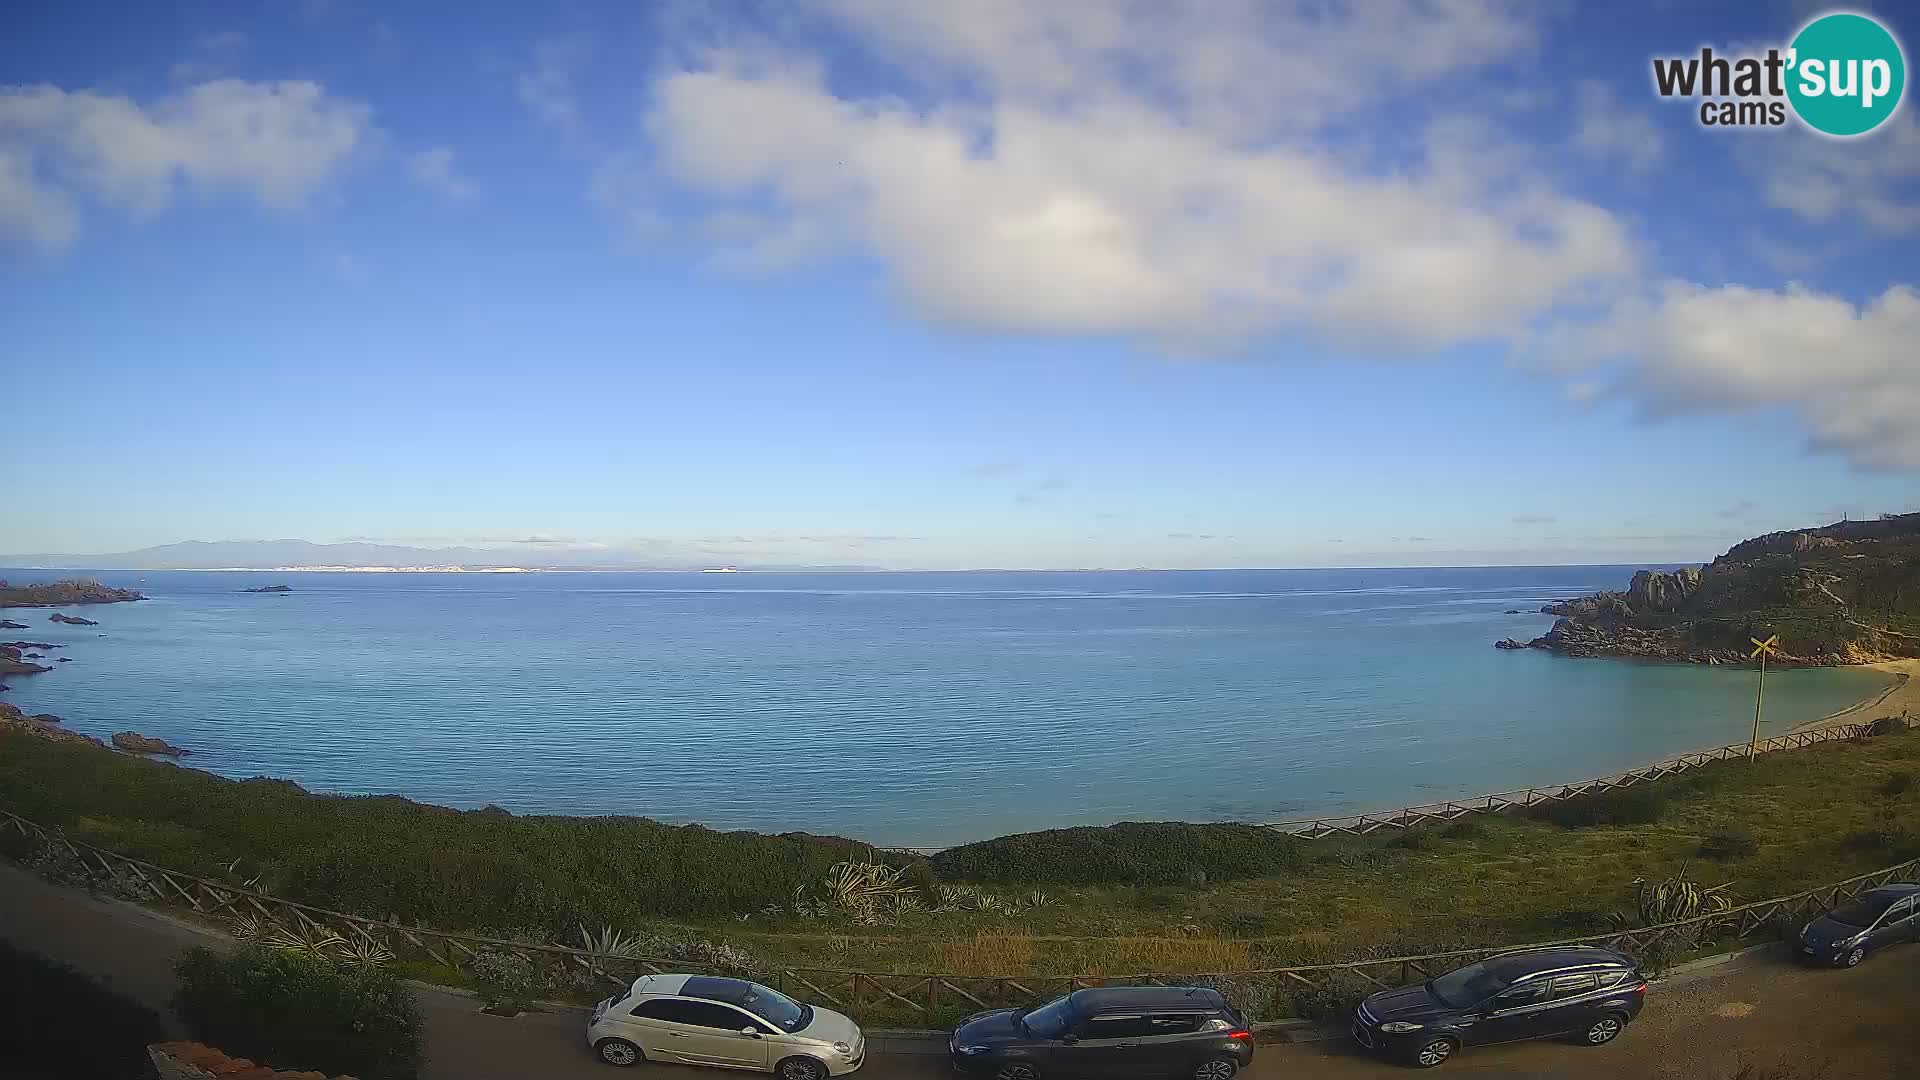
(1902, 697)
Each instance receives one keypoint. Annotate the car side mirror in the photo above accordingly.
(1069, 1037)
(750, 1032)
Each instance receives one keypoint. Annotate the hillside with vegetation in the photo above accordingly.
(1844, 593)
(1130, 898)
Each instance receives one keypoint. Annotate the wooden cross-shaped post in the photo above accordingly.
(1761, 650)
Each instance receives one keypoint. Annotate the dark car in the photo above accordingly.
(1536, 994)
(1871, 921)
(1119, 1031)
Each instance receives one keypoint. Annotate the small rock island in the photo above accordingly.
(271, 588)
(135, 743)
(71, 620)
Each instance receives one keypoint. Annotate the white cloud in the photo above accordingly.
(1872, 180)
(434, 170)
(278, 142)
(546, 85)
(1193, 209)
(41, 217)
(1616, 133)
(1851, 373)
(1246, 66)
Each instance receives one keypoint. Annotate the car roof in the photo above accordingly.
(1515, 965)
(1108, 999)
(658, 984)
(712, 988)
(1893, 889)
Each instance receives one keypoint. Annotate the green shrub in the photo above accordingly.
(59, 1022)
(1471, 827)
(1636, 805)
(506, 980)
(1729, 844)
(1897, 784)
(1245, 924)
(1413, 840)
(378, 855)
(1131, 853)
(925, 883)
(1332, 1003)
(296, 1011)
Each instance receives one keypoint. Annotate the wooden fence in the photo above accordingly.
(563, 970)
(1502, 802)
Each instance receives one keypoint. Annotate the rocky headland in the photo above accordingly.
(1847, 593)
(63, 594)
(40, 726)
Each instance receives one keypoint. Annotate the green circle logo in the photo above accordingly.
(1846, 74)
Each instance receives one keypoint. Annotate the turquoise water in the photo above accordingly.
(905, 709)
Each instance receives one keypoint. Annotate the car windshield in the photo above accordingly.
(1049, 1021)
(775, 1008)
(1459, 989)
(1861, 912)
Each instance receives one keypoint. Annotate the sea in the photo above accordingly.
(904, 709)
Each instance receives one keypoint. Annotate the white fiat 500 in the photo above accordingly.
(732, 1023)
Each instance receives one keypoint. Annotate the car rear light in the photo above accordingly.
(1243, 1033)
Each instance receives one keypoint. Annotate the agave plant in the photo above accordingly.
(608, 944)
(312, 939)
(1676, 899)
(364, 952)
(1038, 899)
(249, 928)
(863, 889)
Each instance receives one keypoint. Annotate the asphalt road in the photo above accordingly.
(1787, 1022)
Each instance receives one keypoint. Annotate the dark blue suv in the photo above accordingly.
(1158, 1031)
(1586, 993)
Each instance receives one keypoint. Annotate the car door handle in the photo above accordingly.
(679, 1034)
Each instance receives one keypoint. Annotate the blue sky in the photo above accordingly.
(920, 285)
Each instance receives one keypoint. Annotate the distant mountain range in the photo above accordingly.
(296, 554)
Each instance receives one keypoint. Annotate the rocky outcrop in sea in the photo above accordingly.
(135, 743)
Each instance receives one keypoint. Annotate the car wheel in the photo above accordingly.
(1433, 1053)
(1017, 1070)
(800, 1068)
(1604, 1030)
(1220, 1068)
(1852, 959)
(618, 1052)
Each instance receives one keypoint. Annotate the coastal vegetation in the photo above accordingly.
(1117, 900)
(1843, 593)
(300, 1010)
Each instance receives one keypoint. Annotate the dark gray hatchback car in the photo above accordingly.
(1146, 1031)
(1869, 922)
(1586, 993)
